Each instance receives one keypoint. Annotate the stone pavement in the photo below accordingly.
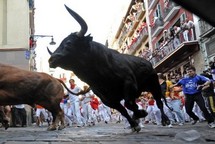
(113, 133)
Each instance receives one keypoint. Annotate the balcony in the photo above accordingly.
(170, 11)
(173, 52)
(123, 35)
(173, 58)
(141, 13)
(132, 28)
(141, 38)
(157, 27)
(152, 3)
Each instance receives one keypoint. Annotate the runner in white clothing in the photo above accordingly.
(86, 107)
(75, 103)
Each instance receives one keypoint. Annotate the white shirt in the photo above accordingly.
(74, 98)
(190, 24)
(20, 106)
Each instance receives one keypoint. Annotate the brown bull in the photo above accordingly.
(19, 86)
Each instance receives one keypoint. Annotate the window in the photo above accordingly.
(183, 17)
(157, 12)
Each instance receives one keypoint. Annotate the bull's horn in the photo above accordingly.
(80, 20)
(49, 51)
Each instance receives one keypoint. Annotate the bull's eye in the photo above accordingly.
(68, 42)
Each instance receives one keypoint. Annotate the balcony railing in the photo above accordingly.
(123, 35)
(169, 47)
(157, 27)
(141, 13)
(170, 10)
(136, 45)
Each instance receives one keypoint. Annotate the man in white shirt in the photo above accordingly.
(190, 26)
(75, 103)
(86, 107)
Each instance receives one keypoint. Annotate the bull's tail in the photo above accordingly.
(165, 102)
(66, 87)
(81, 92)
(156, 91)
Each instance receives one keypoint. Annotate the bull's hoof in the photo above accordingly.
(61, 127)
(165, 120)
(51, 128)
(136, 129)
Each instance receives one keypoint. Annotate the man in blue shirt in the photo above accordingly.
(191, 86)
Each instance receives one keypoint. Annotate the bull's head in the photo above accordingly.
(68, 47)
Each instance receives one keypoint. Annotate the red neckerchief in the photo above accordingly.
(72, 86)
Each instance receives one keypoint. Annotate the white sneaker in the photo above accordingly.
(127, 127)
(211, 125)
(170, 126)
(181, 124)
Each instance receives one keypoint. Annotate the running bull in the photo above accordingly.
(112, 76)
(19, 86)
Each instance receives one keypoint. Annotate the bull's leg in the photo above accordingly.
(155, 89)
(117, 105)
(58, 117)
(130, 92)
(62, 120)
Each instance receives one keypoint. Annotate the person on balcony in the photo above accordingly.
(190, 26)
(185, 30)
(176, 41)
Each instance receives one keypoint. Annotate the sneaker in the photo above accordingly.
(181, 124)
(211, 125)
(170, 126)
(194, 122)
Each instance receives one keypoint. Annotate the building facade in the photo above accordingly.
(166, 34)
(16, 26)
(132, 35)
(207, 42)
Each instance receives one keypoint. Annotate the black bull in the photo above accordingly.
(112, 76)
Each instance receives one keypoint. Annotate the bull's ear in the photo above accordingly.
(89, 37)
(80, 20)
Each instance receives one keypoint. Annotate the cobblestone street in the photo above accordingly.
(110, 133)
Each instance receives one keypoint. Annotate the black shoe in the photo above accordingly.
(194, 122)
(118, 121)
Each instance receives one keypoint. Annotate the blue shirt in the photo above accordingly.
(189, 84)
